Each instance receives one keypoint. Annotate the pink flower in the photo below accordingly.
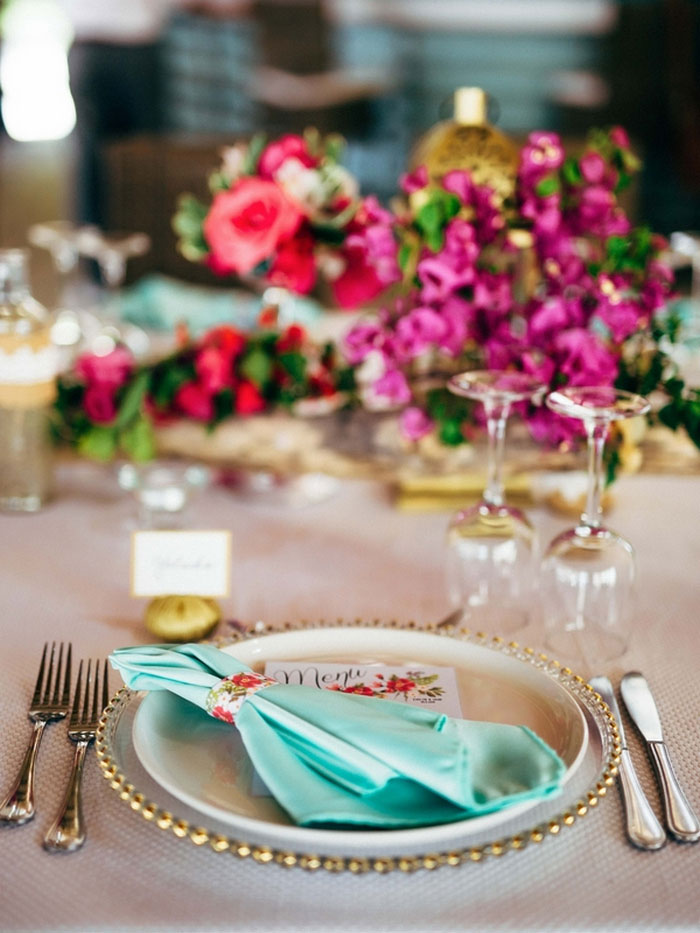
(419, 330)
(193, 400)
(593, 167)
(109, 371)
(442, 274)
(294, 266)
(584, 359)
(460, 183)
(414, 181)
(414, 423)
(542, 154)
(99, 404)
(213, 369)
(275, 154)
(393, 386)
(619, 137)
(358, 283)
(246, 224)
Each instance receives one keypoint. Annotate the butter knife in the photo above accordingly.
(680, 819)
(641, 823)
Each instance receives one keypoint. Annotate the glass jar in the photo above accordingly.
(27, 389)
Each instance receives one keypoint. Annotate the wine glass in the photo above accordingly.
(491, 547)
(112, 251)
(73, 325)
(587, 574)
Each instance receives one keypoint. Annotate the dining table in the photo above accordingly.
(354, 556)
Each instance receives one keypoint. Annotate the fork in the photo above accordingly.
(67, 833)
(49, 703)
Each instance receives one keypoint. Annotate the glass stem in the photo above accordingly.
(496, 417)
(597, 433)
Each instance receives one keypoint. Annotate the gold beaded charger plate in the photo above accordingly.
(190, 774)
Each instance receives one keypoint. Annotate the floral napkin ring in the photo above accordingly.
(225, 698)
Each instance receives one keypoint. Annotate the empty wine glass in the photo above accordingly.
(112, 251)
(73, 324)
(491, 547)
(587, 575)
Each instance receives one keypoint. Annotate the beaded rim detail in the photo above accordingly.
(264, 855)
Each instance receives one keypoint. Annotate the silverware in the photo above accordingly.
(67, 832)
(680, 819)
(643, 828)
(49, 703)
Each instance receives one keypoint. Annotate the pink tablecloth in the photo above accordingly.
(64, 575)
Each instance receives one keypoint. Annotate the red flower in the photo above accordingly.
(401, 684)
(213, 369)
(195, 402)
(99, 404)
(230, 341)
(286, 147)
(292, 339)
(246, 224)
(245, 680)
(248, 399)
(294, 266)
(359, 282)
(220, 713)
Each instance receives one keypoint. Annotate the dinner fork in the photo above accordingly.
(67, 832)
(49, 703)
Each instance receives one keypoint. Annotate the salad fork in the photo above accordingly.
(67, 832)
(49, 703)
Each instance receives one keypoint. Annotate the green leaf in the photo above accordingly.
(98, 443)
(133, 399)
(189, 216)
(138, 441)
(451, 432)
(255, 148)
(571, 171)
(294, 364)
(169, 380)
(256, 366)
(547, 185)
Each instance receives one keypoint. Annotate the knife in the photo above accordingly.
(680, 818)
(641, 823)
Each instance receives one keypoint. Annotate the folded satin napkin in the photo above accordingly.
(332, 758)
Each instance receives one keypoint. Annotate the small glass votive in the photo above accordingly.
(162, 491)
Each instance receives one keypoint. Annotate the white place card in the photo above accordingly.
(180, 563)
(431, 687)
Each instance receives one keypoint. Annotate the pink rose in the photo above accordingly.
(276, 154)
(99, 404)
(619, 137)
(213, 367)
(194, 401)
(246, 224)
(248, 400)
(109, 371)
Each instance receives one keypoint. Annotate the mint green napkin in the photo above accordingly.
(332, 758)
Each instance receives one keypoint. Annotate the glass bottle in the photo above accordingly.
(468, 141)
(27, 389)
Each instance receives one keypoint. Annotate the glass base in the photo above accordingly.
(587, 584)
(490, 567)
(21, 503)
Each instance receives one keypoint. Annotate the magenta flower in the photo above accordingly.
(414, 423)
(361, 340)
(459, 183)
(393, 386)
(109, 371)
(414, 181)
(593, 168)
(584, 359)
(419, 330)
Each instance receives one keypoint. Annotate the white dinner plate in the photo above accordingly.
(202, 762)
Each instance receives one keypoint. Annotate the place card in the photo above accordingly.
(432, 687)
(180, 563)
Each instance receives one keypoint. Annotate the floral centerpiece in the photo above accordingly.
(288, 214)
(555, 282)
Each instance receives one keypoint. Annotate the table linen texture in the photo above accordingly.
(64, 575)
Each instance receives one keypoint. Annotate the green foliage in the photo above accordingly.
(433, 216)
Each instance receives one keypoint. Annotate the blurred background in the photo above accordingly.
(112, 108)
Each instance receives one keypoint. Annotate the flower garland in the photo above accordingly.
(556, 283)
